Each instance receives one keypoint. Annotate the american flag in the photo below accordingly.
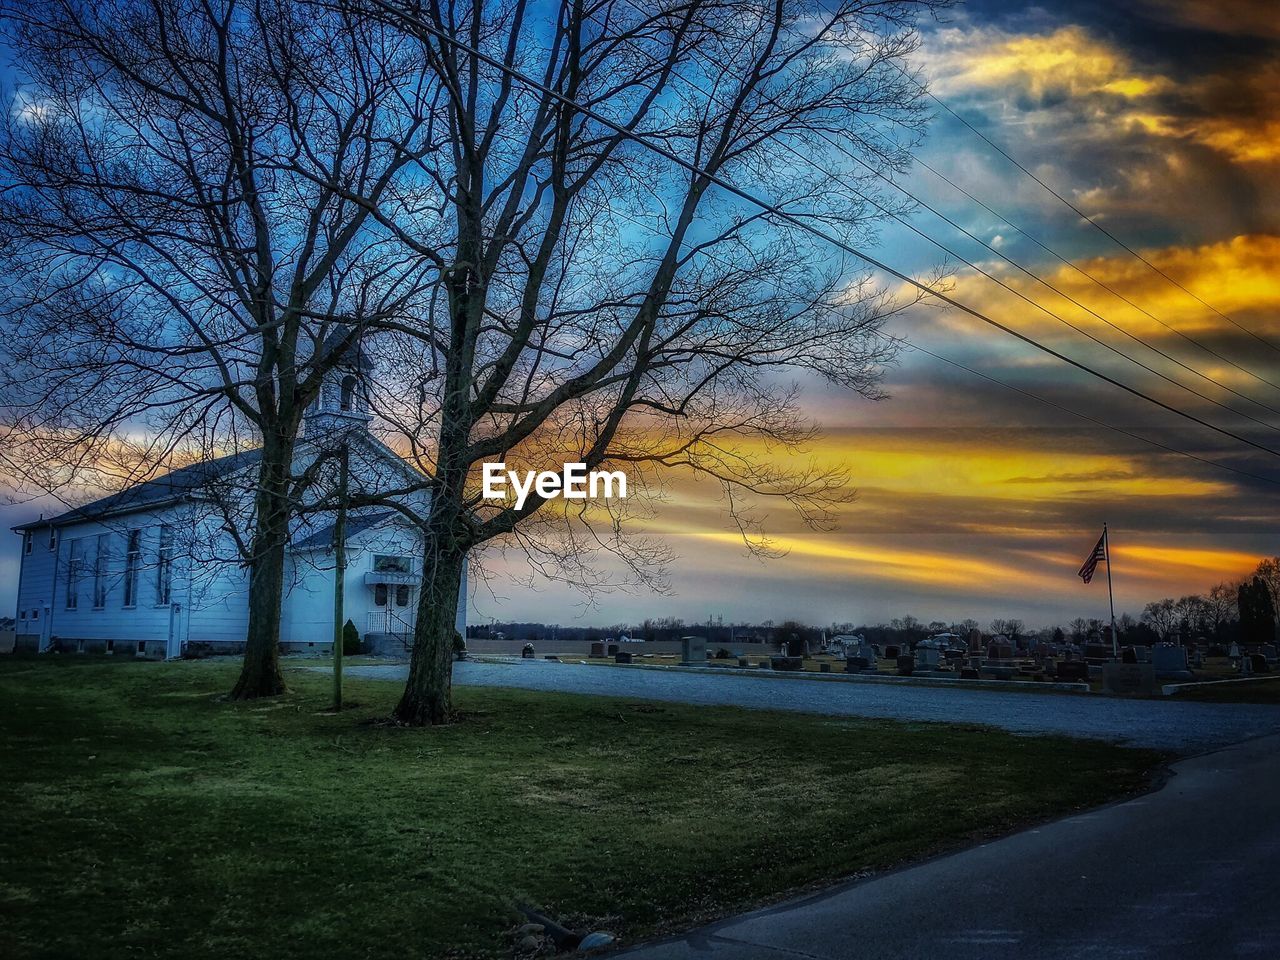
(1098, 555)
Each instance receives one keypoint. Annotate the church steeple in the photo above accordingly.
(343, 403)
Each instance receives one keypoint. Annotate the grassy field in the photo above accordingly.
(143, 816)
(1262, 691)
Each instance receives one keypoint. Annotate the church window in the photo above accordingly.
(164, 566)
(402, 595)
(348, 395)
(388, 564)
(74, 565)
(132, 561)
(380, 594)
(100, 571)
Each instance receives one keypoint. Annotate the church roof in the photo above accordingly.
(174, 485)
(356, 524)
(353, 358)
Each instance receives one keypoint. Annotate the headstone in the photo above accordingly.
(906, 665)
(824, 668)
(787, 663)
(527, 651)
(999, 651)
(927, 657)
(693, 650)
(975, 641)
(1268, 650)
(1246, 666)
(1129, 678)
(613, 648)
(891, 652)
(867, 652)
(1259, 663)
(622, 656)
(1170, 662)
(969, 673)
(1233, 651)
(954, 656)
(744, 662)
(1073, 671)
(597, 649)
(859, 665)
(1097, 652)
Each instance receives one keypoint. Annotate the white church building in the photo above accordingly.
(154, 571)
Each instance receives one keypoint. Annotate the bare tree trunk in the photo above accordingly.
(428, 694)
(260, 674)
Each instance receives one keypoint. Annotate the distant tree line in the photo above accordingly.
(1239, 611)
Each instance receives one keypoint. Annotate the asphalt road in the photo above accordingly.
(1185, 873)
(1183, 727)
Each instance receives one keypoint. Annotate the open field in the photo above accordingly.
(1261, 691)
(146, 817)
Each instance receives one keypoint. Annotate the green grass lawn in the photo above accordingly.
(144, 817)
(1262, 691)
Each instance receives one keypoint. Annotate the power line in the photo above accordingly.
(832, 177)
(1084, 216)
(777, 211)
(902, 341)
(1089, 276)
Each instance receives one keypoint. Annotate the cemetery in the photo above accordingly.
(1144, 671)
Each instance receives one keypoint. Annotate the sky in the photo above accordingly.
(1159, 121)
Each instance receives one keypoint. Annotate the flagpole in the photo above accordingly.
(1111, 598)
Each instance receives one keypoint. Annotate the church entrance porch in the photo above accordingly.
(393, 605)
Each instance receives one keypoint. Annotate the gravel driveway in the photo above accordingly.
(1184, 727)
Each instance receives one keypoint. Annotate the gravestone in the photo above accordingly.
(787, 663)
(1129, 678)
(613, 648)
(891, 652)
(1259, 663)
(1268, 650)
(975, 641)
(622, 656)
(744, 662)
(527, 651)
(1246, 666)
(1097, 652)
(867, 652)
(1073, 671)
(597, 649)
(824, 668)
(969, 673)
(1170, 663)
(1233, 651)
(999, 651)
(859, 665)
(906, 665)
(927, 658)
(693, 651)
(954, 656)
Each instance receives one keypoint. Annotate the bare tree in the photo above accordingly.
(202, 215)
(600, 304)
(1220, 607)
(1012, 628)
(1162, 617)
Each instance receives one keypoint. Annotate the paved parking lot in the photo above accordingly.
(1162, 724)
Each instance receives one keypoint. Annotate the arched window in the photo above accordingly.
(348, 395)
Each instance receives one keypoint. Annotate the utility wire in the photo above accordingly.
(775, 210)
(902, 341)
(809, 161)
(1089, 276)
(1084, 216)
